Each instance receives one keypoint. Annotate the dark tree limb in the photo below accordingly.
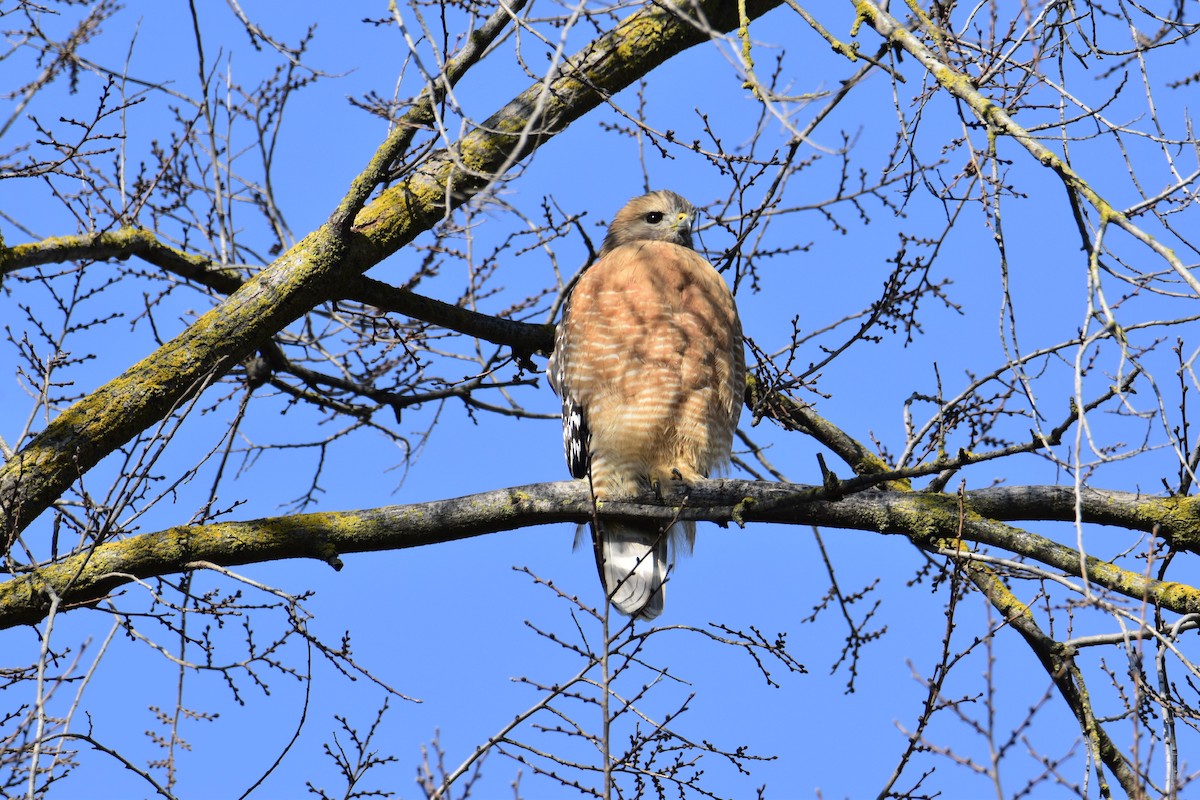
(931, 521)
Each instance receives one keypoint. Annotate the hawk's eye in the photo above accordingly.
(654, 217)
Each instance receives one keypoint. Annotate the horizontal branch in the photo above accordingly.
(930, 521)
(122, 244)
(1175, 519)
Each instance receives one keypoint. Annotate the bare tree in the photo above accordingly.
(1006, 391)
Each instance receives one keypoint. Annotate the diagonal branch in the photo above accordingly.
(1058, 661)
(998, 120)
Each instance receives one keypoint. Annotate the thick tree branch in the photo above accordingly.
(928, 520)
(1176, 519)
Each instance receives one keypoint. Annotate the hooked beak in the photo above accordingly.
(683, 227)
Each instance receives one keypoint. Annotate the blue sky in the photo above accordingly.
(450, 624)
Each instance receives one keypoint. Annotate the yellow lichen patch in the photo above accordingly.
(518, 497)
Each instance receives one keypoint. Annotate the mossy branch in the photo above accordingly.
(925, 519)
(1058, 662)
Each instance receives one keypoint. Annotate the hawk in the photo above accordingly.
(649, 364)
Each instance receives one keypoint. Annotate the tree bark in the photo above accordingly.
(941, 522)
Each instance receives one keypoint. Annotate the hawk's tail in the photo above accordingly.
(634, 559)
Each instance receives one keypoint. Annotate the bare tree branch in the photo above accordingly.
(928, 520)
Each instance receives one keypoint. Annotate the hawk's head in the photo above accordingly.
(661, 216)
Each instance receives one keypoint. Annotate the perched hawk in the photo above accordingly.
(648, 361)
